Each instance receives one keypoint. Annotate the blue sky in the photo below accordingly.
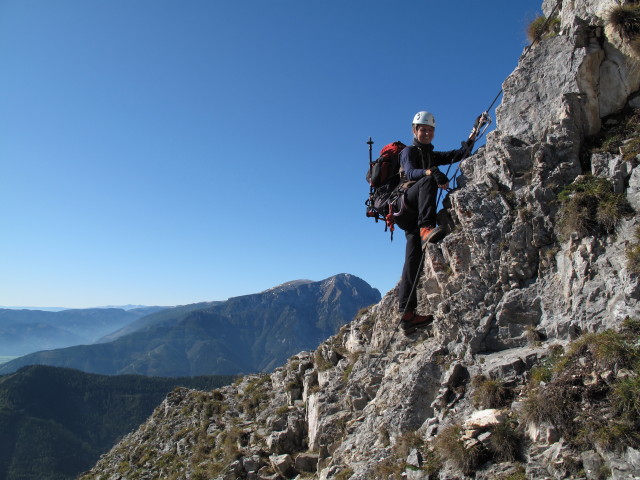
(168, 152)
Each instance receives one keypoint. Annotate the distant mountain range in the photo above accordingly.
(59, 309)
(251, 333)
(27, 331)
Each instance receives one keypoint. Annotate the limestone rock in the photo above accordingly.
(489, 417)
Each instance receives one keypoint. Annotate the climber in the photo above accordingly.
(421, 179)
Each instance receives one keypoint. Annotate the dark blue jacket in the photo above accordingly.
(417, 158)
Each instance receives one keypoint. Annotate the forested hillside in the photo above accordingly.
(56, 422)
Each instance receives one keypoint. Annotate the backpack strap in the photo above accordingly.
(422, 163)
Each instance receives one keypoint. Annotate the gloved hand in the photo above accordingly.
(468, 144)
(439, 177)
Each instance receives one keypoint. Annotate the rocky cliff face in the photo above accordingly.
(530, 368)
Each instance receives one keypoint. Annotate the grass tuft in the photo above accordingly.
(633, 254)
(505, 442)
(609, 349)
(591, 394)
(345, 474)
(626, 397)
(394, 465)
(620, 135)
(489, 393)
(589, 207)
(625, 19)
(539, 28)
(451, 448)
(551, 404)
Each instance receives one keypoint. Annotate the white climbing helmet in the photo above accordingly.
(424, 118)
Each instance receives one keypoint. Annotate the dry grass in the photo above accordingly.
(450, 448)
(587, 410)
(625, 19)
(540, 28)
(490, 393)
(505, 442)
(590, 208)
(620, 134)
(633, 254)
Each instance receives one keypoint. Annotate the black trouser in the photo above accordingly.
(421, 198)
(413, 254)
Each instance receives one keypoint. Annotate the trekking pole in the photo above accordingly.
(413, 289)
(370, 143)
(369, 203)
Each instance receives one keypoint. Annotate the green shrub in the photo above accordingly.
(540, 29)
(589, 207)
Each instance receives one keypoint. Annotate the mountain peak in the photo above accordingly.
(288, 285)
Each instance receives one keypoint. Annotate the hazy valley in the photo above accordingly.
(56, 417)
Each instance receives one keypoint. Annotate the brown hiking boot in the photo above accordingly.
(431, 234)
(411, 321)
